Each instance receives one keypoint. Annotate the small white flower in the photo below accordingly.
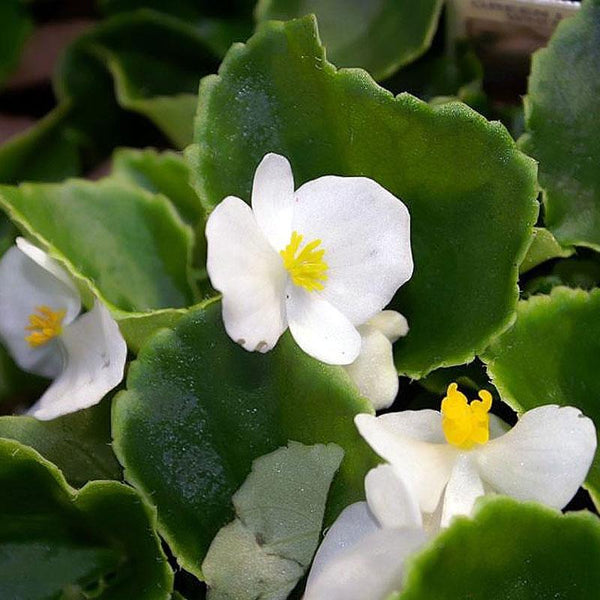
(39, 323)
(362, 555)
(374, 371)
(320, 260)
(451, 458)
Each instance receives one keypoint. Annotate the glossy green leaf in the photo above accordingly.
(79, 443)
(199, 409)
(510, 550)
(126, 245)
(279, 509)
(55, 541)
(562, 117)
(470, 192)
(168, 174)
(543, 247)
(550, 356)
(15, 26)
(379, 36)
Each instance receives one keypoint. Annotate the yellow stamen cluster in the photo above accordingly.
(307, 269)
(466, 424)
(44, 326)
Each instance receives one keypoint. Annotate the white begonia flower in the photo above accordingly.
(362, 555)
(374, 371)
(320, 260)
(41, 326)
(451, 458)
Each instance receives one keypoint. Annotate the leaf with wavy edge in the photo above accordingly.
(379, 36)
(521, 551)
(52, 538)
(562, 120)
(470, 192)
(78, 443)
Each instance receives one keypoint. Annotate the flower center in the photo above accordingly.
(306, 267)
(44, 325)
(466, 424)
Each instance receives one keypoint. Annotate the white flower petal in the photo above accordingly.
(374, 371)
(249, 273)
(424, 425)
(464, 487)
(365, 232)
(353, 524)
(95, 354)
(273, 199)
(498, 427)
(390, 500)
(373, 569)
(425, 467)
(45, 261)
(320, 329)
(545, 457)
(24, 286)
(391, 324)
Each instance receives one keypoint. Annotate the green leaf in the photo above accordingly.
(54, 539)
(543, 247)
(265, 551)
(168, 174)
(470, 192)
(199, 409)
(220, 23)
(124, 244)
(158, 80)
(79, 443)
(15, 26)
(379, 36)
(510, 550)
(160, 173)
(562, 118)
(550, 356)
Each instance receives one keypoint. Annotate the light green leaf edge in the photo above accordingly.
(86, 496)
(544, 246)
(136, 327)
